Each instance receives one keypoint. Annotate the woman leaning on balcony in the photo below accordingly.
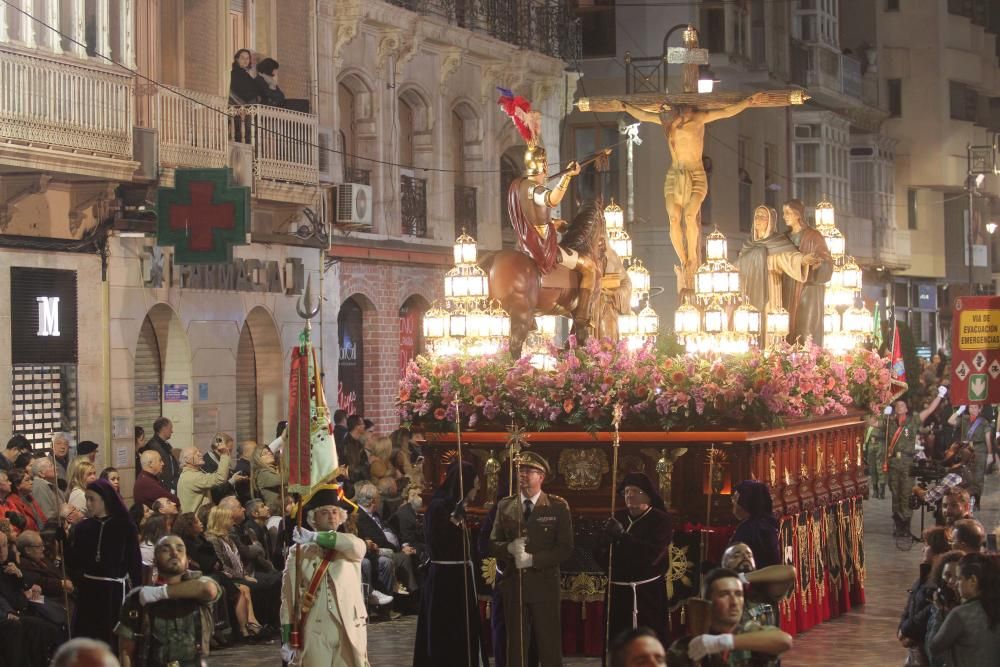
(243, 91)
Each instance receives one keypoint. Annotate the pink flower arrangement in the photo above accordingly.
(755, 390)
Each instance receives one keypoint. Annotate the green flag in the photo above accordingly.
(877, 326)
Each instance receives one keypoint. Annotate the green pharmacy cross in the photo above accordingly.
(203, 216)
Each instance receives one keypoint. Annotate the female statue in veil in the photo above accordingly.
(766, 257)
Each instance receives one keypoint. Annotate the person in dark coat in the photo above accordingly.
(637, 541)
(104, 562)
(163, 428)
(406, 523)
(267, 83)
(242, 92)
(758, 528)
(26, 637)
(447, 627)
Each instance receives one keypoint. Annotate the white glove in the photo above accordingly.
(303, 536)
(942, 391)
(288, 654)
(918, 447)
(960, 410)
(888, 410)
(151, 594)
(517, 546)
(523, 559)
(703, 645)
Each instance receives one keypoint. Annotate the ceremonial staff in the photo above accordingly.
(515, 450)
(306, 310)
(593, 157)
(60, 552)
(458, 518)
(616, 419)
(706, 530)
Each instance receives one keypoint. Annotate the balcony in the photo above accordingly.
(64, 116)
(413, 205)
(465, 211)
(284, 151)
(894, 248)
(548, 27)
(191, 128)
(860, 242)
(830, 76)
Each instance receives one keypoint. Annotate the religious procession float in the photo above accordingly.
(553, 349)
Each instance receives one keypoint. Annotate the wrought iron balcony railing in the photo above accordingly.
(546, 26)
(285, 142)
(465, 210)
(413, 205)
(191, 128)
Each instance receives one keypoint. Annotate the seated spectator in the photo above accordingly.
(83, 652)
(265, 478)
(45, 486)
(114, 477)
(71, 515)
(956, 506)
(728, 641)
(942, 584)
(38, 570)
(912, 631)
(383, 543)
(138, 514)
(968, 536)
(10, 453)
(402, 441)
(154, 528)
(87, 449)
(195, 486)
(388, 491)
(254, 530)
(355, 455)
(37, 637)
(379, 463)
(166, 508)
(148, 487)
(219, 535)
(405, 522)
(21, 500)
(81, 473)
(970, 633)
(757, 527)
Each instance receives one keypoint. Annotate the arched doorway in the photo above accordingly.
(260, 390)
(162, 375)
(411, 330)
(510, 168)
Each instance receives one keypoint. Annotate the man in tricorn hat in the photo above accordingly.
(637, 540)
(532, 535)
(325, 601)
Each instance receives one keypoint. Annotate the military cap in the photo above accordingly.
(533, 460)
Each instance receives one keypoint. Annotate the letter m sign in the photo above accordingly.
(48, 315)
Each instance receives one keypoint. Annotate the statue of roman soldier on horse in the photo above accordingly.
(549, 275)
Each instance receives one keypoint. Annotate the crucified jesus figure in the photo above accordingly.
(686, 185)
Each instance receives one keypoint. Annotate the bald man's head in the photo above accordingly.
(739, 557)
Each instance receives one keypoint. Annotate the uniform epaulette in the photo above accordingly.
(556, 498)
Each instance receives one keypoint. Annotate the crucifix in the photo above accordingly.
(683, 117)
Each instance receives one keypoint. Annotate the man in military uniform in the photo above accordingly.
(168, 625)
(902, 428)
(529, 204)
(330, 608)
(728, 641)
(763, 589)
(875, 455)
(976, 430)
(532, 535)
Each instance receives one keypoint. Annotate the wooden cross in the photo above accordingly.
(658, 102)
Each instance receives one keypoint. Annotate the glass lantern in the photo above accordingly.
(614, 216)
(649, 321)
(621, 243)
(435, 322)
(638, 275)
(824, 216)
(778, 322)
(464, 249)
(746, 320)
(716, 248)
(686, 320)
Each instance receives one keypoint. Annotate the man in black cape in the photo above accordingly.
(637, 539)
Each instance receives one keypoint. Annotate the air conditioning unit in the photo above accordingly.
(146, 151)
(353, 204)
(327, 144)
(241, 162)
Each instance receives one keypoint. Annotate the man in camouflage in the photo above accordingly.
(902, 428)
(875, 455)
(168, 625)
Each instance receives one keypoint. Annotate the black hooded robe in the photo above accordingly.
(759, 531)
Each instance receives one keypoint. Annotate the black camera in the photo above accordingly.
(946, 596)
(927, 471)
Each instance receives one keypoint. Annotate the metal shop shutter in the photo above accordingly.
(246, 388)
(148, 378)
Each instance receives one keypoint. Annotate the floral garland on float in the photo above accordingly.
(577, 389)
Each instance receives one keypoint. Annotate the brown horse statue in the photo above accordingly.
(522, 290)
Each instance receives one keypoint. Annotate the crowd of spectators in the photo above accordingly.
(70, 549)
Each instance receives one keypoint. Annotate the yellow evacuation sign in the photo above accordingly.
(979, 330)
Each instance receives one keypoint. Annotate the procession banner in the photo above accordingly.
(297, 449)
(975, 364)
(897, 368)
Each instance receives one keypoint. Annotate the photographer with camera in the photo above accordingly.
(975, 430)
(942, 586)
(970, 632)
(913, 623)
(901, 429)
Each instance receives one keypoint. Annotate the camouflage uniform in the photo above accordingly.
(677, 653)
(977, 477)
(168, 633)
(902, 444)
